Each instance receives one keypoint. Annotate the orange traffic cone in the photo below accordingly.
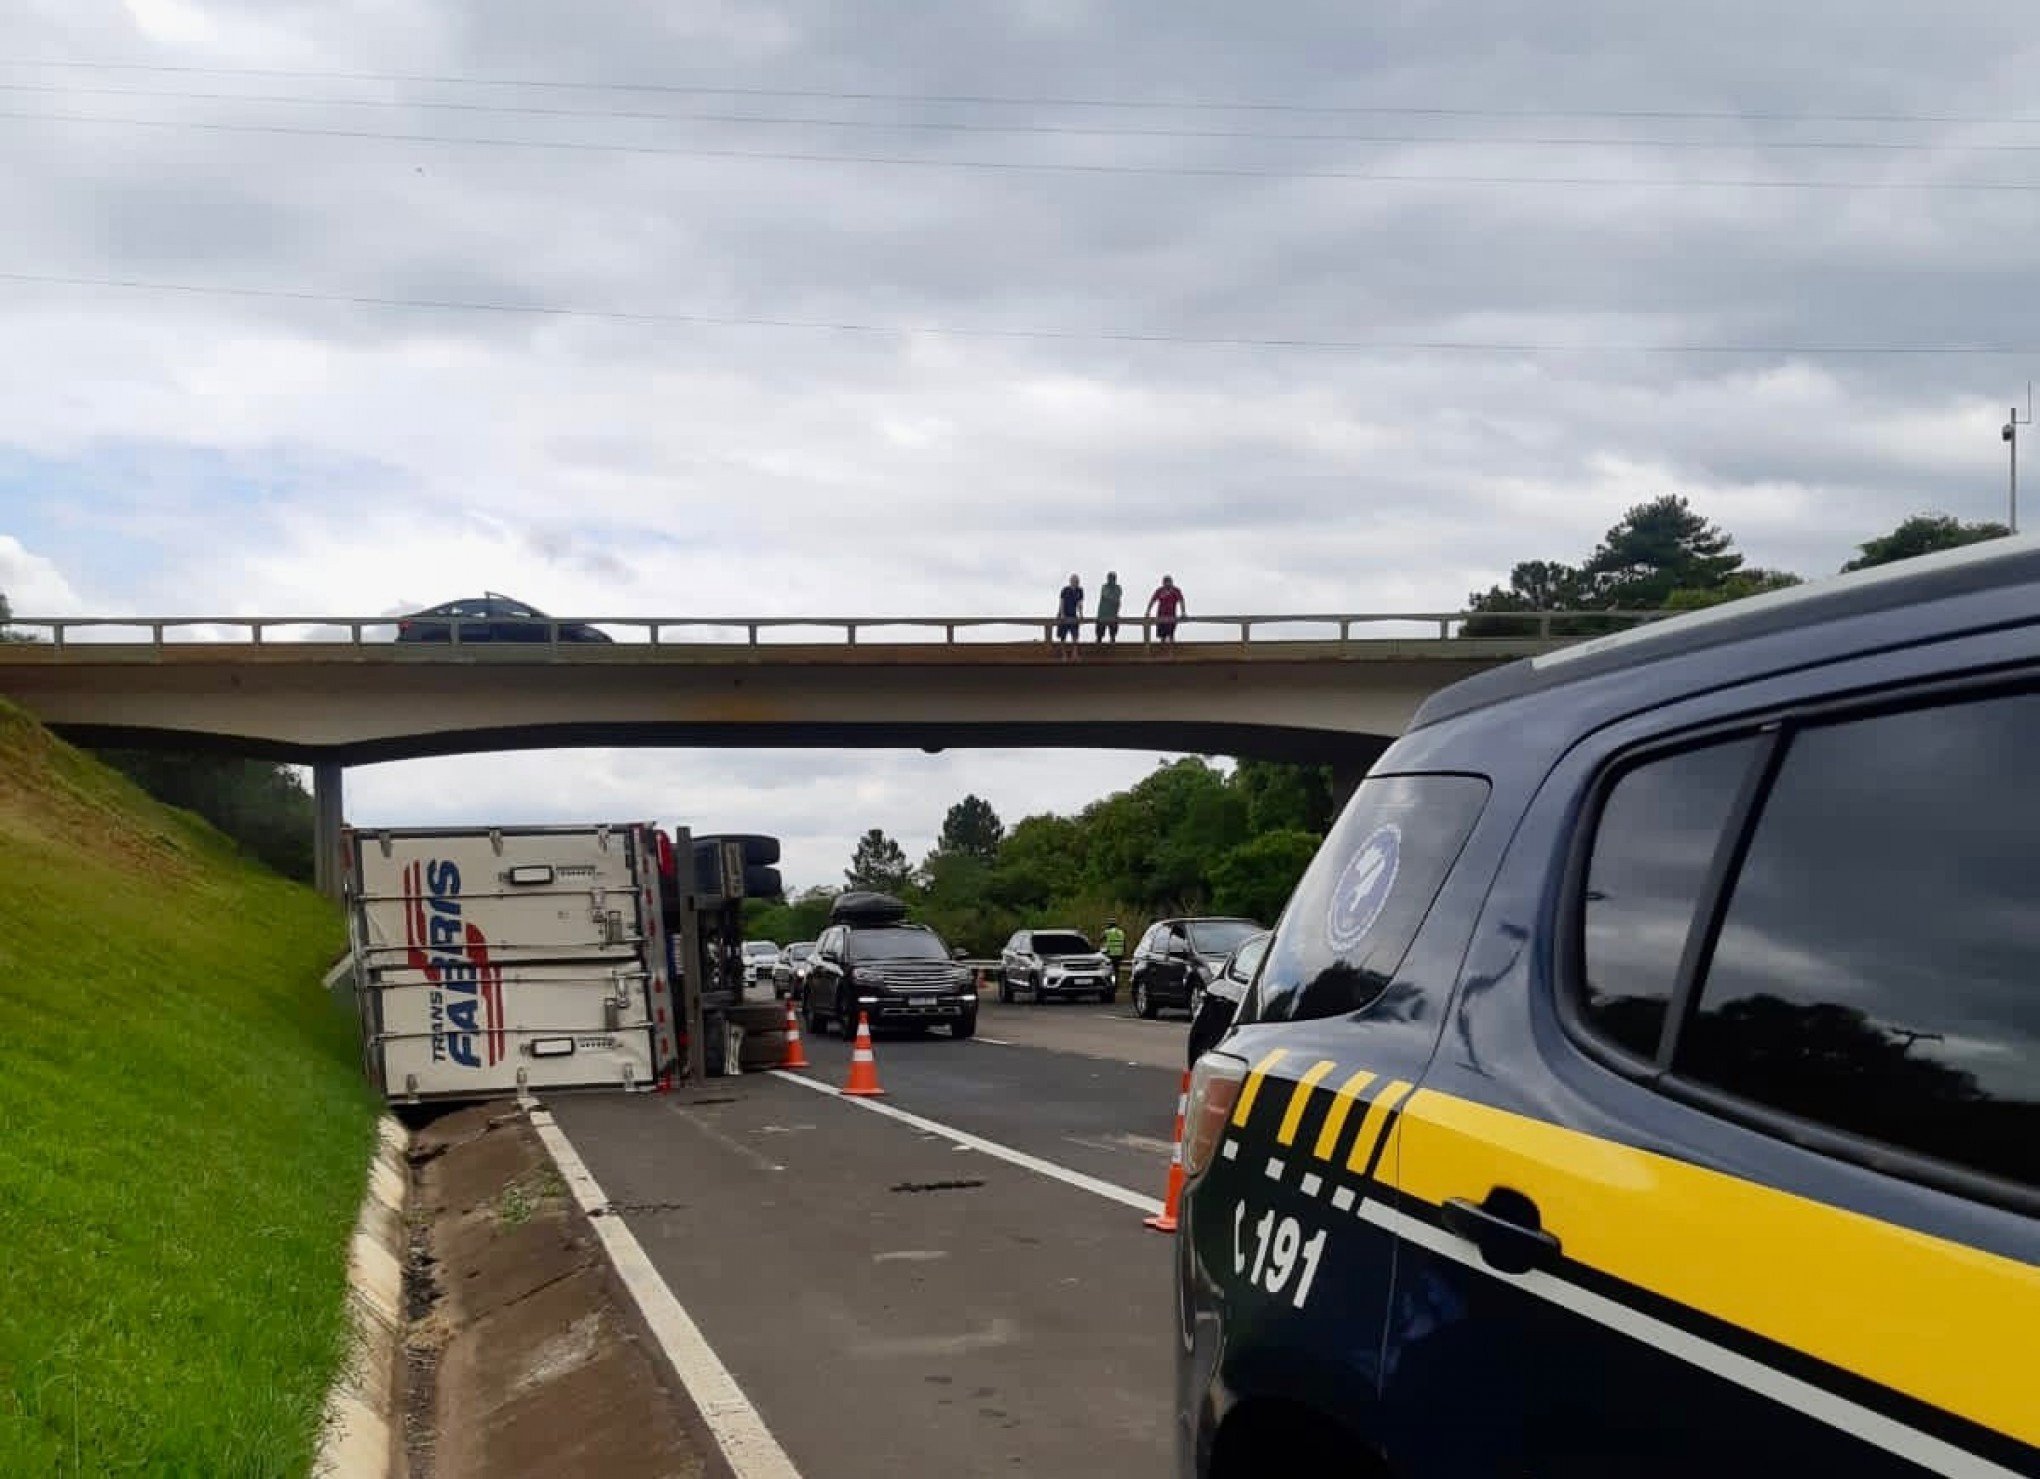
(1165, 1220)
(796, 1055)
(863, 1081)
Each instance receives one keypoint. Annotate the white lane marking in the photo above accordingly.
(1020, 1158)
(1311, 1183)
(1343, 1199)
(1838, 1412)
(738, 1430)
(997, 1042)
(1230, 1150)
(910, 1255)
(1274, 1168)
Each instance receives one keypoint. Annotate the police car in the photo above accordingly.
(1645, 1077)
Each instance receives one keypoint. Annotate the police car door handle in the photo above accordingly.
(1505, 1227)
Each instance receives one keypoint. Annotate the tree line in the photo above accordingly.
(1666, 556)
(1188, 837)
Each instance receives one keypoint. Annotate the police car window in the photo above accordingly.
(1657, 834)
(1361, 901)
(1878, 968)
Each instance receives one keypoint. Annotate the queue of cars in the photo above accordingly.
(1201, 966)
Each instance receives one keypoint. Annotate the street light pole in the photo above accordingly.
(2011, 437)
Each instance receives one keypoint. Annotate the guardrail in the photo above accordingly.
(565, 631)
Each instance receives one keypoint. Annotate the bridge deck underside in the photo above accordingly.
(1331, 702)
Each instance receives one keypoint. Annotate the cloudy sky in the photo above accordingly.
(789, 307)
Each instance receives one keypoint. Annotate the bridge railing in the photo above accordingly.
(756, 631)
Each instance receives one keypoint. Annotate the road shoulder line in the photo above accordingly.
(736, 1425)
(993, 1148)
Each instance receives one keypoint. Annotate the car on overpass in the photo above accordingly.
(492, 617)
(1645, 1075)
(872, 961)
(1054, 962)
(1176, 960)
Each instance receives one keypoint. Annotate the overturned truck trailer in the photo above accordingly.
(492, 959)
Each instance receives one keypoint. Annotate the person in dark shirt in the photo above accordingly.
(1166, 605)
(1069, 615)
(1108, 607)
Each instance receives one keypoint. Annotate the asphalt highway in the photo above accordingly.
(961, 1285)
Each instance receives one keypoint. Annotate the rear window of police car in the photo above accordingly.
(1872, 963)
(1360, 903)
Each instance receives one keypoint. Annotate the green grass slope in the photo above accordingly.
(183, 1136)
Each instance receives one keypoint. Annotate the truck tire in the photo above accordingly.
(846, 1018)
(759, 1016)
(763, 1051)
(1005, 988)
(964, 1026)
(1144, 1001)
(714, 1045)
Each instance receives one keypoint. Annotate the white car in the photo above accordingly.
(760, 956)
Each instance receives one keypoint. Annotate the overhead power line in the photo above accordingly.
(1102, 336)
(1019, 101)
(952, 125)
(1028, 166)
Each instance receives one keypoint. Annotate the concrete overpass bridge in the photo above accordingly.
(325, 692)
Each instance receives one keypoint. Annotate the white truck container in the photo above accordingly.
(490, 959)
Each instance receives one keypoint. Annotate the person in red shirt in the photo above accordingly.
(1166, 605)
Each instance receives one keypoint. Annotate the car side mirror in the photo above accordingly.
(958, 953)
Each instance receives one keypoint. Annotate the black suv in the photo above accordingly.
(492, 618)
(1176, 960)
(1045, 963)
(872, 960)
(1645, 1076)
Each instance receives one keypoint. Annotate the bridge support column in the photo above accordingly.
(327, 813)
(1349, 770)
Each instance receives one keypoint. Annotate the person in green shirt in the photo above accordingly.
(1112, 945)
(1108, 612)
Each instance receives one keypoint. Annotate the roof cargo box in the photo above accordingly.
(862, 907)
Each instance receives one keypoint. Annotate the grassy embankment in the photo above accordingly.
(183, 1136)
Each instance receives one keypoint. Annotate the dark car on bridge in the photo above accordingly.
(1644, 1077)
(1045, 963)
(492, 618)
(1176, 960)
(872, 960)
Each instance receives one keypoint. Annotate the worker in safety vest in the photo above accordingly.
(1113, 946)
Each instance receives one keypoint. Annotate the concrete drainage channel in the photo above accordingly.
(494, 1337)
(356, 1435)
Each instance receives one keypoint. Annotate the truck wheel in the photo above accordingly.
(811, 1020)
(846, 1018)
(1034, 987)
(1143, 1003)
(964, 1026)
(1005, 988)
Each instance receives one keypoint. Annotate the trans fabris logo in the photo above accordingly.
(466, 986)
